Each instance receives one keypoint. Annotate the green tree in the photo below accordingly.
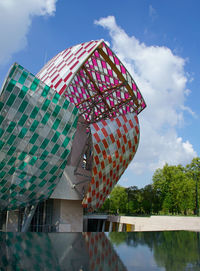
(118, 199)
(193, 171)
(133, 206)
(176, 188)
(105, 208)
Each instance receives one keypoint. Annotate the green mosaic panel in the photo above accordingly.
(35, 139)
(30, 251)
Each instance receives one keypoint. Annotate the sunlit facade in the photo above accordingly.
(70, 131)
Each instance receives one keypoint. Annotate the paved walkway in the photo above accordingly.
(159, 223)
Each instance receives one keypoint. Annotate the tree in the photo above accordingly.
(133, 203)
(118, 199)
(105, 207)
(176, 188)
(193, 170)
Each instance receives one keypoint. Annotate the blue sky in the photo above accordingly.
(159, 43)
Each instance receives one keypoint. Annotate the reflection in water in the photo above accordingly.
(173, 251)
(170, 251)
(58, 251)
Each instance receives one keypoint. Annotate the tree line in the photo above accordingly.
(174, 190)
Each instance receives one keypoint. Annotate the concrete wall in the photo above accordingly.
(159, 223)
(68, 215)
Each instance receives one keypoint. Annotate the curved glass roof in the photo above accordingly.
(93, 78)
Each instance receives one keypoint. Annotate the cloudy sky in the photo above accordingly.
(159, 43)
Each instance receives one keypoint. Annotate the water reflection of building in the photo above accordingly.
(102, 254)
(64, 251)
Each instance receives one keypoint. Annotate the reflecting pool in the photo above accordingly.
(170, 251)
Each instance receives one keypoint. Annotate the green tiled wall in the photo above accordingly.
(37, 126)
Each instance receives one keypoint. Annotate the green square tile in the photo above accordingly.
(4, 197)
(11, 161)
(34, 84)
(2, 164)
(11, 85)
(44, 155)
(63, 165)
(11, 150)
(53, 170)
(75, 123)
(23, 132)
(20, 67)
(43, 174)
(11, 99)
(33, 138)
(66, 142)
(55, 137)
(22, 156)
(33, 150)
(23, 77)
(42, 197)
(46, 104)
(13, 186)
(23, 92)
(13, 194)
(55, 148)
(11, 127)
(75, 110)
(13, 201)
(11, 139)
(23, 106)
(45, 91)
(2, 182)
(66, 129)
(34, 112)
(45, 118)
(1, 144)
(23, 120)
(42, 183)
(56, 111)
(1, 132)
(66, 104)
(4, 189)
(22, 175)
(33, 160)
(22, 191)
(1, 119)
(32, 187)
(32, 195)
(1, 105)
(12, 170)
(53, 178)
(65, 154)
(22, 166)
(32, 179)
(2, 174)
(56, 98)
(34, 125)
(44, 143)
(56, 124)
(44, 164)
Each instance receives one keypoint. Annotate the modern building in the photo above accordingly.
(66, 137)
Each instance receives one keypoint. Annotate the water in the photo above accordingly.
(151, 251)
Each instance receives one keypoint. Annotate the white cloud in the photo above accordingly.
(162, 80)
(15, 20)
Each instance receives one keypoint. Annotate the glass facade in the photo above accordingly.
(39, 116)
(37, 126)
